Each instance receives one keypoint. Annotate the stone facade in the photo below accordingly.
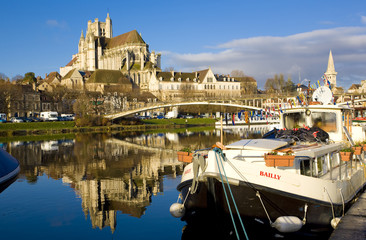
(127, 52)
(26, 102)
(74, 79)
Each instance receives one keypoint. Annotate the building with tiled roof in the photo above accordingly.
(51, 80)
(127, 52)
(196, 85)
(355, 88)
(102, 80)
(74, 79)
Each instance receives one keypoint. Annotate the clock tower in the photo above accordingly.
(331, 74)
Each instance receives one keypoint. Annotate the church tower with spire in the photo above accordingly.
(98, 49)
(331, 74)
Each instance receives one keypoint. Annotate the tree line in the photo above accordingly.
(277, 84)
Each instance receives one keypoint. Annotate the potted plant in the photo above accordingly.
(357, 148)
(273, 159)
(363, 144)
(185, 155)
(346, 154)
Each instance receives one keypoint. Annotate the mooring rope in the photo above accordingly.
(221, 157)
(331, 203)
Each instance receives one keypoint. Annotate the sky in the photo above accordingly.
(261, 38)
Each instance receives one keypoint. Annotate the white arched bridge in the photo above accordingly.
(356, 101)
(166, 105)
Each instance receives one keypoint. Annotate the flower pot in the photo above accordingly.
(279, 160)
(358, 150)
(185, 157)
(364, 147)
(346, 156)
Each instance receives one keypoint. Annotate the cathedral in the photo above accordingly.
(106, 62)
(127, 52)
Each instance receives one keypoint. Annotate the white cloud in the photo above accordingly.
(363, 19)
(56, 24)
(304, 53)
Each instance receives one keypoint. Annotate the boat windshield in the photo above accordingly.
(294, 120)
(327, 121)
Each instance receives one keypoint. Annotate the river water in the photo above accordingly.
(100, 186)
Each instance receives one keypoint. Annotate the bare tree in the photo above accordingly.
(82, 106)
(3, 76)
(17, 78)
(237, 73)
(7, 92)
(169, 69)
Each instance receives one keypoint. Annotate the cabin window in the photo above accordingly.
(294, 120)
(325, 121)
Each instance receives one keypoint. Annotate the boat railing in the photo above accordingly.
(328, 166)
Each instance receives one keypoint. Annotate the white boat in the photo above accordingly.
(307, 194)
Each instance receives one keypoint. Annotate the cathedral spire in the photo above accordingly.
(82, 35)
(331, 74)
(330, 68)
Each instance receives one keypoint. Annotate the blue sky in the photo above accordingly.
(261, 38)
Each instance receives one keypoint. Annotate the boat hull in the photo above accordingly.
(9, 167)
(210, 198)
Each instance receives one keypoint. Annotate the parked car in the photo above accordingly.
(61, 119)
(34, 119)
(25, 119)
(2, 118)
(48, 116)
(16, 120)
(160, 117)
(68, 116)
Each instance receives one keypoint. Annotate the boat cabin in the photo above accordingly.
(330, 118)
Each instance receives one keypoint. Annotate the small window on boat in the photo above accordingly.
(326, 121)
(294, 120)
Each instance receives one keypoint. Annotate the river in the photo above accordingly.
(100, 186)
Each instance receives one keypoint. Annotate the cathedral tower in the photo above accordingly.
(331, 74)
(108, 27)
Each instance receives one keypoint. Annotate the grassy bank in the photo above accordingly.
(37, 125)
(12, 131)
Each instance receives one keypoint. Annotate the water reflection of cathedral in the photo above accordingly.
(110, 173)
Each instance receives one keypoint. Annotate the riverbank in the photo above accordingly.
(35, 130)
